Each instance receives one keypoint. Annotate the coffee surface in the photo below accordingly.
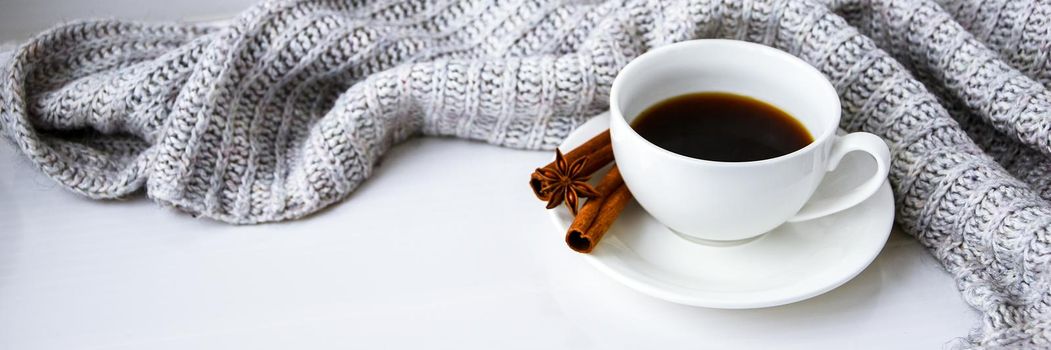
(721, 127)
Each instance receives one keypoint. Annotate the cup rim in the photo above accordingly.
(826, 85)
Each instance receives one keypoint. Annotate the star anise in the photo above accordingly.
(565, 183)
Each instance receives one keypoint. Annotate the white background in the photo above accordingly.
(443, 248)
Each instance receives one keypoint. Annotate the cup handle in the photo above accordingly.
(858, 141)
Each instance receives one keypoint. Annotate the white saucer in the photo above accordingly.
(795, 261)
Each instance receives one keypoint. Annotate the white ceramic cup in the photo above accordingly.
(730, 201)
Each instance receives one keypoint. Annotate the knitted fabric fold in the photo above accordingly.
(288, 108)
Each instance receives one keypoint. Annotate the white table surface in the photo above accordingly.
(444, 247)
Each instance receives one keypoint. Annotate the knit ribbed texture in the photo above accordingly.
(288, 108)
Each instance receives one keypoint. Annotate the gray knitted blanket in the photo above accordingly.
(289, 108)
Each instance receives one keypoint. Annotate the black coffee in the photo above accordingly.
(721, 127)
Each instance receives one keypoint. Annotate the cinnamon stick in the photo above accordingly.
(598, 214)
(598, 150)
(590, 209)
